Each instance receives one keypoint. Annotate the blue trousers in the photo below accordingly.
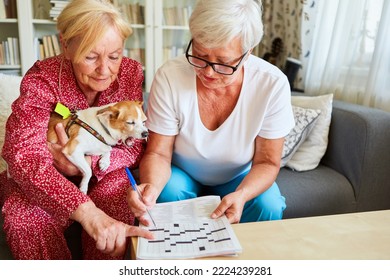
(267, 206)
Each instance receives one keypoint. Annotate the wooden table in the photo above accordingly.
(364, 235)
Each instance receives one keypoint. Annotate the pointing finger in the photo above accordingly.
(137, 231)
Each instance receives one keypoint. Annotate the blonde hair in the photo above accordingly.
(215, 23)
(89, 20)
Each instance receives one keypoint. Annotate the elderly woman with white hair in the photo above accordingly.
(217, 117)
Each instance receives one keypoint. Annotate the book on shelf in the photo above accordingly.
(10, 8)
(178, 16)
(184, 229)
(5, 60)
(15, 47)
(134, 13)
(59, 3)
(47, 46)
(3, 14)
(56, 44)
(5, 55)
(56, 8)
(50, 45)
(2, 55)
(41, 50)
(9, 51)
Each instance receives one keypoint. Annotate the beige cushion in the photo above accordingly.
(305, 120)
(310, 153)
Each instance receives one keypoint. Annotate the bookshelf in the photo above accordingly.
(9, 36)
(160, 31)
(172, 32)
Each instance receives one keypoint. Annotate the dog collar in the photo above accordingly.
(105, 128)
(75, 120)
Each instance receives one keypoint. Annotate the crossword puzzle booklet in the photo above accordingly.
(185, 230)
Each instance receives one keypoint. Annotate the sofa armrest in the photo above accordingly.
(359, 148)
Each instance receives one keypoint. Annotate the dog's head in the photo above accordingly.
(125, 121)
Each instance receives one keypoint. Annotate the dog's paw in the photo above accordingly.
(129, 142)
(104, 163)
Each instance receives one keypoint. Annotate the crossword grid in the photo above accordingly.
(189, 237)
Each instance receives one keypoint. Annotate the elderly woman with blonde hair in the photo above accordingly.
(42, 198)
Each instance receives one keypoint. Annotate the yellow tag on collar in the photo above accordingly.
(62, 110)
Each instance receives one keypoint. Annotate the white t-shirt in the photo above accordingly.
(216, 157)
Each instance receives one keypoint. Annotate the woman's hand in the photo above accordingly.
(139, 205)
(61, 163)
(232, 206)
(265, 168)
(110, 235)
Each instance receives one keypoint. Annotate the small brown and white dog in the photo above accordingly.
(97, 129)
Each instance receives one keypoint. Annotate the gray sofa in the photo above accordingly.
(353, 174)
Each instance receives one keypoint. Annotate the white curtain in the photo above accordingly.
(350, 54)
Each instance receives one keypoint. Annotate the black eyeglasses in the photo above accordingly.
(217, 67)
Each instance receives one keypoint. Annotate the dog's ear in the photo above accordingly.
(108, 113)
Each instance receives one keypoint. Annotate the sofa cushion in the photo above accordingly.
(310, 153)
(9, 91)
(322, 191)
(305, 119)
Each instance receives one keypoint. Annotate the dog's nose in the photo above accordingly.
(145, 134)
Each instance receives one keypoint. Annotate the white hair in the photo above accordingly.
(214, 23)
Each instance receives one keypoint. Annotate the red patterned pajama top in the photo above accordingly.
(25, 150)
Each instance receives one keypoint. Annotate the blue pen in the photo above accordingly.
(134, 186)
